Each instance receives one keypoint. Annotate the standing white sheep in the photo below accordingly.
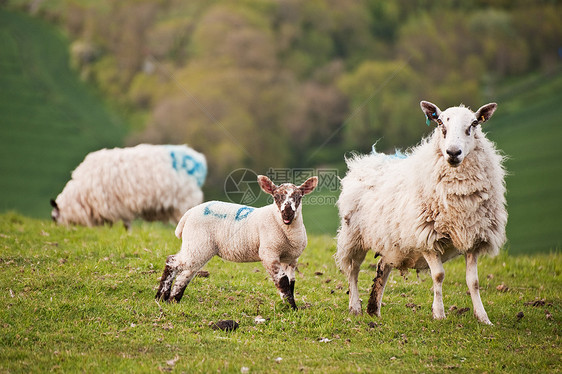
(273, 234)
(445, 198)
(152, 182)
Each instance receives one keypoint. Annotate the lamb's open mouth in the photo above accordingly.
(287, 218)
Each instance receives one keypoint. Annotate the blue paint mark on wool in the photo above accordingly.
(207, 211)
(397, 154)
(243, 213)
(181, 160)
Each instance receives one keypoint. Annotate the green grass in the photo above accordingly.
(49, 119)
(527, 129)
(82, 299)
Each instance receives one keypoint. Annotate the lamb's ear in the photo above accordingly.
(432, 111)
(309, 185)
(266, 184)
(485, 112)
(54, 204)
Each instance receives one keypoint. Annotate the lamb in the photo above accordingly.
(445, 198)
(273, 234)
(152, 182)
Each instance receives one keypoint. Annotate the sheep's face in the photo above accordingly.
(458, 127)
(55, 213)
(287, 197)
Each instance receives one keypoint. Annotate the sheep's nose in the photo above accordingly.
(455, 152)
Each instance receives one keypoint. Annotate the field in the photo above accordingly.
(82, 299)
(49, 119)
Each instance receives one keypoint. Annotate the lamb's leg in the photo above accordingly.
(281, 280)
(289, 269)
(188, 264)
(167, 279)
(438, 274)
(473, 286)
(375, 300)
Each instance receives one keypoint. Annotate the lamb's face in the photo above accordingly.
(288, 200)
(287, 197)
(458, 127)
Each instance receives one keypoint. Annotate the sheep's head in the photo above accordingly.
(55, 213)
(458, 127)
(287, 196)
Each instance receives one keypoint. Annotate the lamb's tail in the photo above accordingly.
(181, 224)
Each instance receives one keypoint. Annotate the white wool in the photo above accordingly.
(445, 198)
(412, 204)
(152, 182)
(237, 232)
(274, 234)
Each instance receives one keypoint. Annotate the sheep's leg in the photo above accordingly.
(473, 287)
(167, 279)
(353, 278)
(188, 266)
(281, 280)
(375, 300)
(438, 274)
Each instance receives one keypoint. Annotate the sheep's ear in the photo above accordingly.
(266, 184)
(485, 112)
(309, 185)
(54, 204)
(432, 111)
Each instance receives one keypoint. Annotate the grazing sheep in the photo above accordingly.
(274, 234)
(445, 198)
(152, 182)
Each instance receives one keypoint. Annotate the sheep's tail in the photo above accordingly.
(181, 224)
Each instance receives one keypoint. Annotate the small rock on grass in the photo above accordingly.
(520, 315)
(502, 288)
(225, 325)
(203, 274)
(462, 310)
(537, 302)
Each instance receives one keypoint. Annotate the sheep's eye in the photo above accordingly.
(277, 197)
(475, 123)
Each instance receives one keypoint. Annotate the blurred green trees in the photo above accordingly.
(270, 83)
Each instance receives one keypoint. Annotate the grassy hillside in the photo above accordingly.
(49, 119)
(82, 299)
(527, 127)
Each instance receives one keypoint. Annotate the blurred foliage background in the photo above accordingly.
(288, 83)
